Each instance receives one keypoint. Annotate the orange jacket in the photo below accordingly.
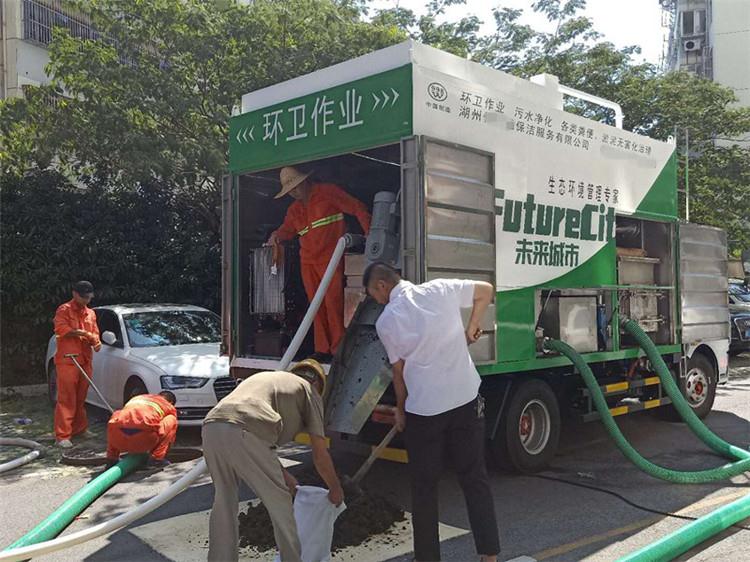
(145, 411)
(72, 316)
(320, 222)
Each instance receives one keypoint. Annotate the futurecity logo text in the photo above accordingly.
(591, 223)
(350, 116)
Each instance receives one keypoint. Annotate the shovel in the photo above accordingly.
(83, 372)
(352, 484)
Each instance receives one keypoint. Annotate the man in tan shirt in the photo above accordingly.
(240, 435)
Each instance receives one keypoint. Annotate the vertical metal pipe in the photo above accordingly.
(687, 173)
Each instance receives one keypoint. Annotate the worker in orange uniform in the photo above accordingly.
(146, 424)
(317, 217)
(76, 333)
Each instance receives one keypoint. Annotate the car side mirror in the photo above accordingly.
(109, 338)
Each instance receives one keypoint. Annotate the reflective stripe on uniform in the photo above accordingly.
(143, 401)
(322, 222)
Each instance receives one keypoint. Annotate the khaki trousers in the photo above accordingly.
(232, 453)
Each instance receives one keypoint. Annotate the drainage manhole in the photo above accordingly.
(89, 457)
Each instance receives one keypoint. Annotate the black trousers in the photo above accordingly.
(460, 433)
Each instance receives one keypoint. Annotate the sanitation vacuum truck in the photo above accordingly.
(472, 173)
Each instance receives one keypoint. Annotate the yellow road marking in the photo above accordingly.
(586, 541)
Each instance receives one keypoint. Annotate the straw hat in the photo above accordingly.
(307, 365)
(290, 178)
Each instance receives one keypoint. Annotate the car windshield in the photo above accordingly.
(171, 327)
(740, 292)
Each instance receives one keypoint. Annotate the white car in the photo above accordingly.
(147, 348)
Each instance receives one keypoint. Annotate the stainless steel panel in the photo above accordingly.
(412, 212)
(705, 314)
(572, 320)
(483, 350)
(461, 239)
(705, 267)
(636, 270)
(488, 320)
(457, 254)
(459, 162)
(460, 224)
(703, 234)
(703, 284)
(702, 251)
(485, 276)
(450, 190)
(690, 300)
(578, 323)
(695, 333)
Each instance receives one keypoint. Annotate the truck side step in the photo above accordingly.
(623, 387)
(630, 408)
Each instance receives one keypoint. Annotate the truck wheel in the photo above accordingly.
(529, 430)
(698, 387)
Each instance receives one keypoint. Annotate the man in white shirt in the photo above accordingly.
(437, 400)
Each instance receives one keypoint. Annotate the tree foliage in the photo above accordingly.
(117, 180)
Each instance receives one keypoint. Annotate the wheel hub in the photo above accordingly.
(696, 387)
(534, 427)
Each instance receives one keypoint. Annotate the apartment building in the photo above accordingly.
(711, 38)
(25, 34)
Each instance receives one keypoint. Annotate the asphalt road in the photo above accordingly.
(590, 505)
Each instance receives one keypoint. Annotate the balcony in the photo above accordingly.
(40, 17)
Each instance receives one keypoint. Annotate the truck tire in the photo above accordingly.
(529, 430)
(698, 387)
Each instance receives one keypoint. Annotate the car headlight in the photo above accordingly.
(173, 382)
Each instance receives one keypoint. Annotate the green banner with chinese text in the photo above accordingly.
(365, 113)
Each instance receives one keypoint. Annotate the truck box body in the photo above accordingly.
(574, 221)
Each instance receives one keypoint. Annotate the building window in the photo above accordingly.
(693, 22)
(41, 16)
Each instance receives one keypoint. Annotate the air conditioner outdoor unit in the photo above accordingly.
(692, 45)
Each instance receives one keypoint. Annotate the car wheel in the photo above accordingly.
(529, 430)
(52, 384)
(133, 388)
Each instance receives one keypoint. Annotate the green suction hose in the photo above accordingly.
(685, 538)
(682, 477)
(680, 404)
(75, 504)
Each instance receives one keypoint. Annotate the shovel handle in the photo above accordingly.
(374, 455)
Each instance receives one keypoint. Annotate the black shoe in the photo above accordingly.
(160, 463)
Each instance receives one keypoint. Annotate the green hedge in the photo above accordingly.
(144, 245)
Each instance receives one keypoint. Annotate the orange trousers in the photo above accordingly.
(70, 411)
(329, 321)
(157, 441)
